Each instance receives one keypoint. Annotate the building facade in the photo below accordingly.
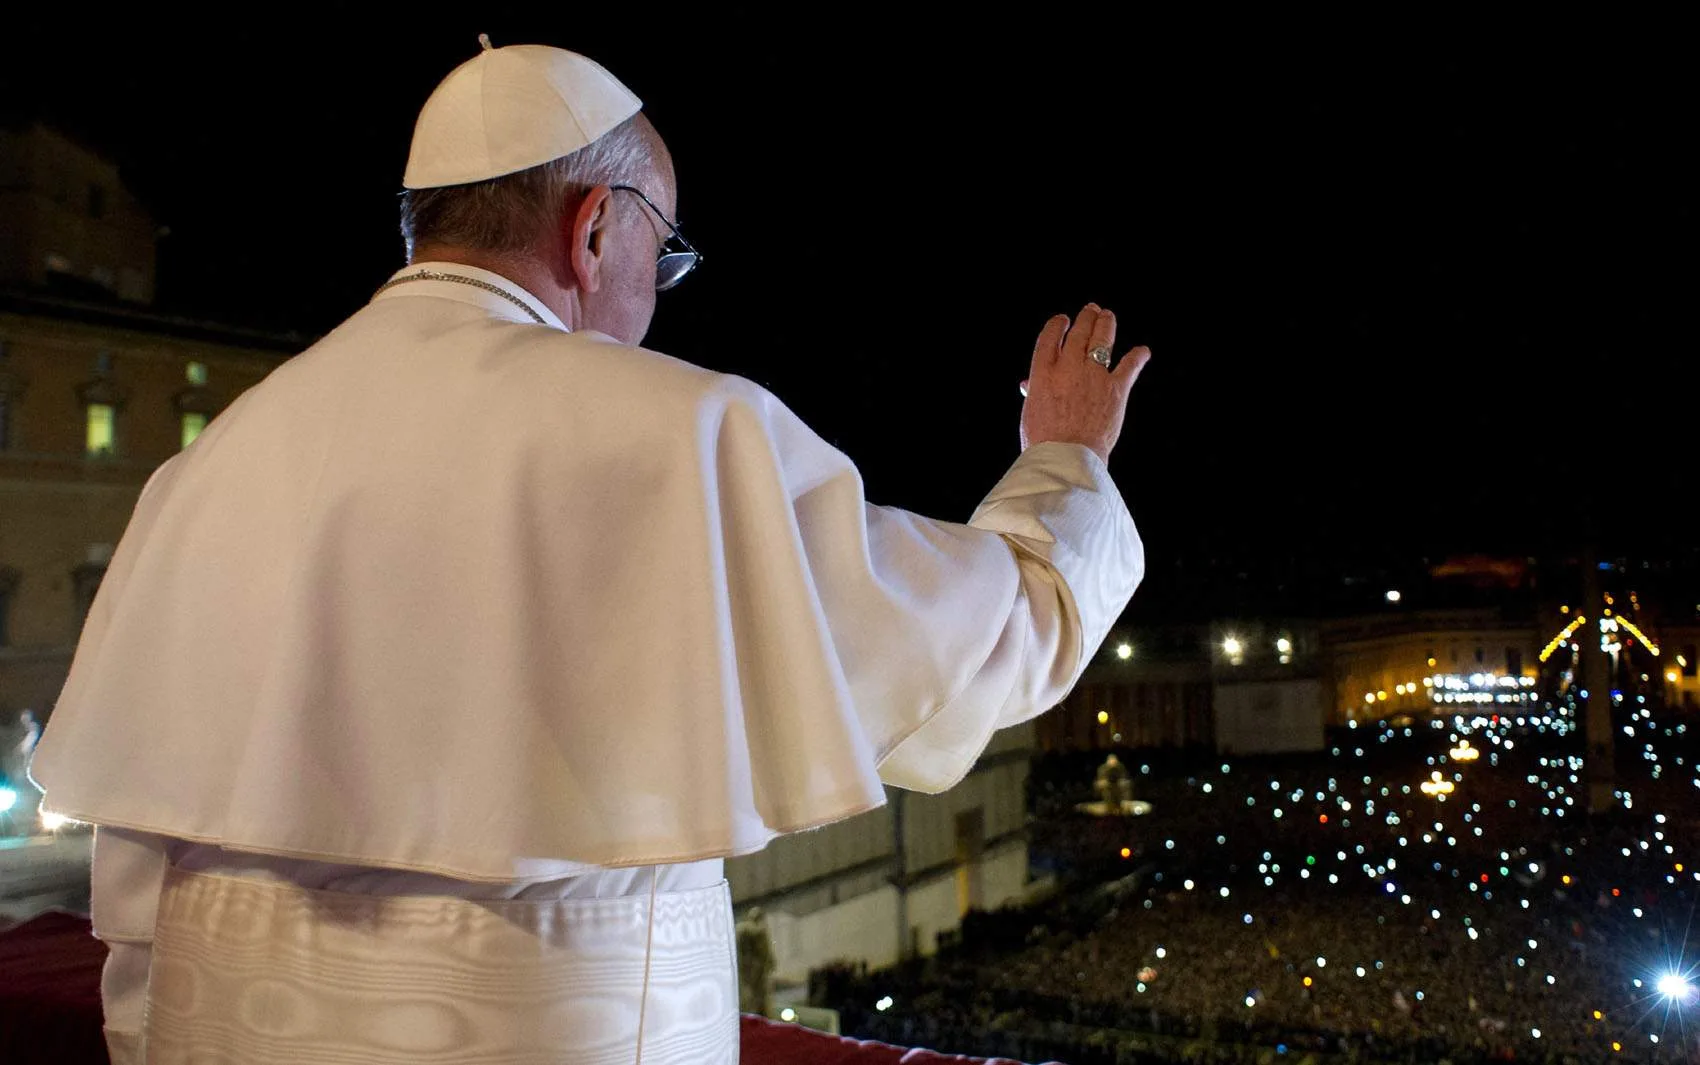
(1429, 662)
(96, 391)
(68, 222)
(1195, 686)
(889, 883)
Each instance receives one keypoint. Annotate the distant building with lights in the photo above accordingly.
(1236, 687)
(96, 390)
(1428, 662)
(1681, 655)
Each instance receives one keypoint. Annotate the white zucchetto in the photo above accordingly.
(509, 109)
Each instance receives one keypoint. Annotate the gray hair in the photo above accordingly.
(508, 213)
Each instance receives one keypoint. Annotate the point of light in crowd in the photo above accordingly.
(1675, 986)
(1393, 595)
(8, 799)
(883, 1004)
(1232, 646)
(1103, 717)
(1284, 646)
(787, 1014)
(1124, 651)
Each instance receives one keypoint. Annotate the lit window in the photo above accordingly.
(101, 426)
(197, 374)
(192, 426)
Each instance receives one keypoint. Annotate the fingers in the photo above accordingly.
(1128, 370)
(1093, 328)
(1076, 345)
(1050, 341)
(1103, 332)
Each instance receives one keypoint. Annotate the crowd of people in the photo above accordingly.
(1327, 907)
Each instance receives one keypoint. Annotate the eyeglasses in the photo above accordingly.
(670, 266)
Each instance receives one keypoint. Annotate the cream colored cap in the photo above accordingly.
(507, 109)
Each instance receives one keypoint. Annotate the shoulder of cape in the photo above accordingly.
(662, 377)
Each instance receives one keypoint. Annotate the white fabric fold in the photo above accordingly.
(455, 593)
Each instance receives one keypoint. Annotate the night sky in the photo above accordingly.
(1408, 293)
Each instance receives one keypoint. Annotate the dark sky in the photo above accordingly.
(1407, 293)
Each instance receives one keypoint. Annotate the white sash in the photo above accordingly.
(257, 972)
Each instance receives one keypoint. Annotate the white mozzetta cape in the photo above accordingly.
(457, 593)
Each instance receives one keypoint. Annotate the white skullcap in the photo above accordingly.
(507, 109)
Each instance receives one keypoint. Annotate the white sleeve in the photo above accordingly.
(127, 875)
(936, 633)
(1077, 559)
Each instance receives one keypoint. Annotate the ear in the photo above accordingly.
(588, 229)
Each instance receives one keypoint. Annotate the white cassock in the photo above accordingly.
(428, 689)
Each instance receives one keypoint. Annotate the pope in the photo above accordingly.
(429, 689)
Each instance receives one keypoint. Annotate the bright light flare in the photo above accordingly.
(1436, 785)
(1124, 651)
(1675, 986)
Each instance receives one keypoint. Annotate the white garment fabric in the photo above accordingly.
(455, 593)
(456, 605)
(130, 871)
(257, 972)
